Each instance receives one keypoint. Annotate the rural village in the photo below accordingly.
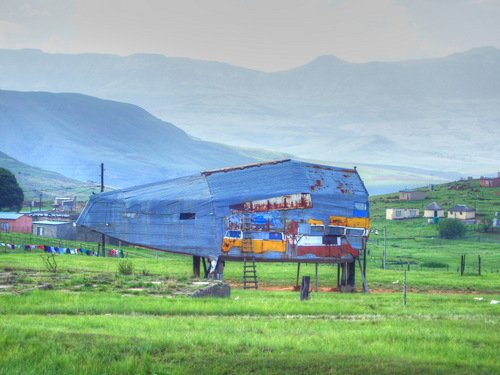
(249, 187)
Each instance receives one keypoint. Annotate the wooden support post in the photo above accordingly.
(304, 290)
(343, 279)
(298, 272)
(317, 277)
(219, 270)
(365, 286)
(196, 266)
(351, 274)
(364, 260)
(338, 275)
(205, 268)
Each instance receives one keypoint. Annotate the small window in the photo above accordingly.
(187, 216)
(275, 236)
(360, 206)
(233, 234)
(4, 226)
(39, 231)
(336, 231)
(398, 213)
(317, 229)
(355, 232)
(413, 213)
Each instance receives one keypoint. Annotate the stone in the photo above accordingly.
(218, 290)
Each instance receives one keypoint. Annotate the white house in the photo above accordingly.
(401, 213)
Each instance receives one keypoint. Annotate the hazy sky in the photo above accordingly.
(267, 35)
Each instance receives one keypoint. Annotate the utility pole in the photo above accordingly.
(102, 177)
(40, 205)
(102, 190)
(385, 247)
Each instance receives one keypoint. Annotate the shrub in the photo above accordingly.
(126, 267)
(451, 228)
(432, 264)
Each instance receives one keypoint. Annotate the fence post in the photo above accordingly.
(304, 290)
(404, 290)
(479, 263)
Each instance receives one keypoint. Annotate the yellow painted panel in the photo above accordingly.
(359, 222)
(315, 222)
(338, 221)
(259, 246)
(354, 222)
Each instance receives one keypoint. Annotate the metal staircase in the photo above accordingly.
(249, 270)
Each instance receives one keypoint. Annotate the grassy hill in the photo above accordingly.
(469, 192)
(416, 242)
(35, 181)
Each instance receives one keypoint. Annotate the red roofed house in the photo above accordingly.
(490, 181)
(14, 222)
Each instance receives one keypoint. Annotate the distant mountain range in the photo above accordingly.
(73, 134)
(438, 114)
(46, 137)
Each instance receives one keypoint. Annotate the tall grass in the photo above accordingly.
(50, 332)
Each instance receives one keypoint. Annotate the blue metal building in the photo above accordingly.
(295, 211)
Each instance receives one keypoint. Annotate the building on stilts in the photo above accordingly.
(279, 211)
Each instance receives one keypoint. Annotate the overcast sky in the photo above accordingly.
(267, 35)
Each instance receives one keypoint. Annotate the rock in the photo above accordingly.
(347, 289)
(218, 290)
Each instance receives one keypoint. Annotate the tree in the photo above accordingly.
(11, 195)
(486, 225)
(451, 228)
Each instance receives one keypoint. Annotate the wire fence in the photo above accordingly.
(472, 264)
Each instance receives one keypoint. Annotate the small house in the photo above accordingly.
(55, 229)
(490, 181)
(434, 210)
(15, 222)
(401, 213)
(411, 195)
(462, 212)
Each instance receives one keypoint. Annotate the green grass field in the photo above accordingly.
(88, 318)
(95, 320)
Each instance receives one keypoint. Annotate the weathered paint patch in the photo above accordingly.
(285, 202)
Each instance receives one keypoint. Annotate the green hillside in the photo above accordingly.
(414, 243)
(35, 181)
(485, 200)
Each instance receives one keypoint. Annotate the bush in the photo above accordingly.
(433, 264)
(126, 267)
(451, 228)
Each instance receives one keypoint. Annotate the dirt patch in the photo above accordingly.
(294, 288)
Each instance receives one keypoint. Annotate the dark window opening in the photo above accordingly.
(330, 240)
(337, 231)
(187, 216)
(317, 229)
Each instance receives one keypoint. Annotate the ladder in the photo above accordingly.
(249, 270)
